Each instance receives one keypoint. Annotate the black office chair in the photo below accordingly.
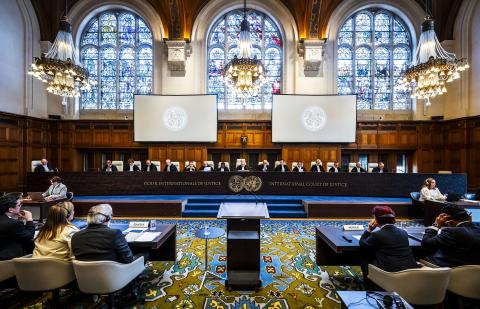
(70, 196)
(417, 209)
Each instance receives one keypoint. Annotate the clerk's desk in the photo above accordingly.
(243, 243)
(44, 206)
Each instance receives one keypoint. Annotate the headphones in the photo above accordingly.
(93, 213)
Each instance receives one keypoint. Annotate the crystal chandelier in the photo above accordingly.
(59, 68)
(244, 75)
(433, 66)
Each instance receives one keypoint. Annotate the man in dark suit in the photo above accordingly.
(317, 167)
(243, 166)
(149, 166)
(358, 168)
(169, 167)
(454, 237)
(131, 167)
(264, 166)
(299, 168)
(388, 247)
(380, 168)
(109, 167)
(335, 168)
(190, 167)
(223, 168)
(16, 238)
(44, 167)
(98, 242)
(282, 167)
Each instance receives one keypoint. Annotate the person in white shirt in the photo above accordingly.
(264, 166)
(190, 167)
(149, 166)
(206, 168)
(282, 167)
(56, 190)
(109, 167)
(430, 191)
(299, 167)
(131, 167)
(335, 168)
(243, 166)
(317, 167)
(54, 239)
(169, 167)
(223, 168)
(44, 167)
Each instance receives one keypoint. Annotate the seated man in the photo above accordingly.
(380, 168)
(264, 166)
(43, 167)
(16, 237)
(299, 167)
(109, 167)
(317, 167)
(243, 166)
(358, 168)
(56, 190)
(335, 168)
(223, 168)
(205, 167)
(98, 242)
(388, 247)
(454, 237)
(190, 167)
(149, 166)
(282, 167)
(169, 167)
(131, 167)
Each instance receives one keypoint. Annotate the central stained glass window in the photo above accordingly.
(116, 49)
(373, 49)
(222, 46)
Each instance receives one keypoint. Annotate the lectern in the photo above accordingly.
(243, 243)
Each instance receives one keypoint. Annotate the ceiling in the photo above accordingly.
(178, 16)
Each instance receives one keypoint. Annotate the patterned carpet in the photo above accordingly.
(289, 274)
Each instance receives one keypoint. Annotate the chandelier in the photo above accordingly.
(433, 67)
(244, 75)
(59, 68)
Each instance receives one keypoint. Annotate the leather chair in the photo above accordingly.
(419, 286)
(371, 166)
(351, 165)
(417, 209)
(7, 270)
(158, 165)
(106, 277)
(43, 274)
(35, 163)
(138, 163)
(70, 196)
(119, 165)
(465, 281)
(239, 162)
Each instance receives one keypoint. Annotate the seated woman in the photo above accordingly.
(429, 191)
(56, 190)
(54, 239)
(388, 247)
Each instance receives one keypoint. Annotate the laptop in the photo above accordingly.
(453, 197)
(36, 196)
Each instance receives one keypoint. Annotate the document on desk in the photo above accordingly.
(357, 237)
(132, 236)
(148, 236)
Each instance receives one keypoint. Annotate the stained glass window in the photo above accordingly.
(373, 49)
(116, 49)
(222, 46)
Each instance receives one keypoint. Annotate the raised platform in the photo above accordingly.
(207, 205)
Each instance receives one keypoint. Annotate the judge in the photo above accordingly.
(190, 167)
(243, 166)
(282, 167)
(109, 167)
(149, 166)
(358, 168)
(223, 168)
(169, 167)
(317, 167)
(43, 167)
(131, 167)
(264, 166)
(335, 168)
(205, 167)
(380, 168)
(299, 167)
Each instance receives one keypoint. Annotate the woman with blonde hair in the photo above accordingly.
(430, 191)
(54, 239)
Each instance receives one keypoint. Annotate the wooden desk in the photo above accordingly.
(333, 249)
(44, 205)
(162, 248)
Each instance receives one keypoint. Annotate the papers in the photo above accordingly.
(141, 236)
(357, 237)
(131, 237)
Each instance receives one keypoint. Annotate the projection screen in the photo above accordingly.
(314, 119)
(175, 118)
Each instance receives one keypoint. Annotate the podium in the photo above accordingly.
(243, 243)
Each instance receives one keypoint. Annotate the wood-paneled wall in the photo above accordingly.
(434, 145)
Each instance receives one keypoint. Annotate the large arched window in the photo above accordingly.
(373, 49)
(116, 49)
(223, 46)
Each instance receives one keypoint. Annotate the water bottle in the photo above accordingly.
(153, 225)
